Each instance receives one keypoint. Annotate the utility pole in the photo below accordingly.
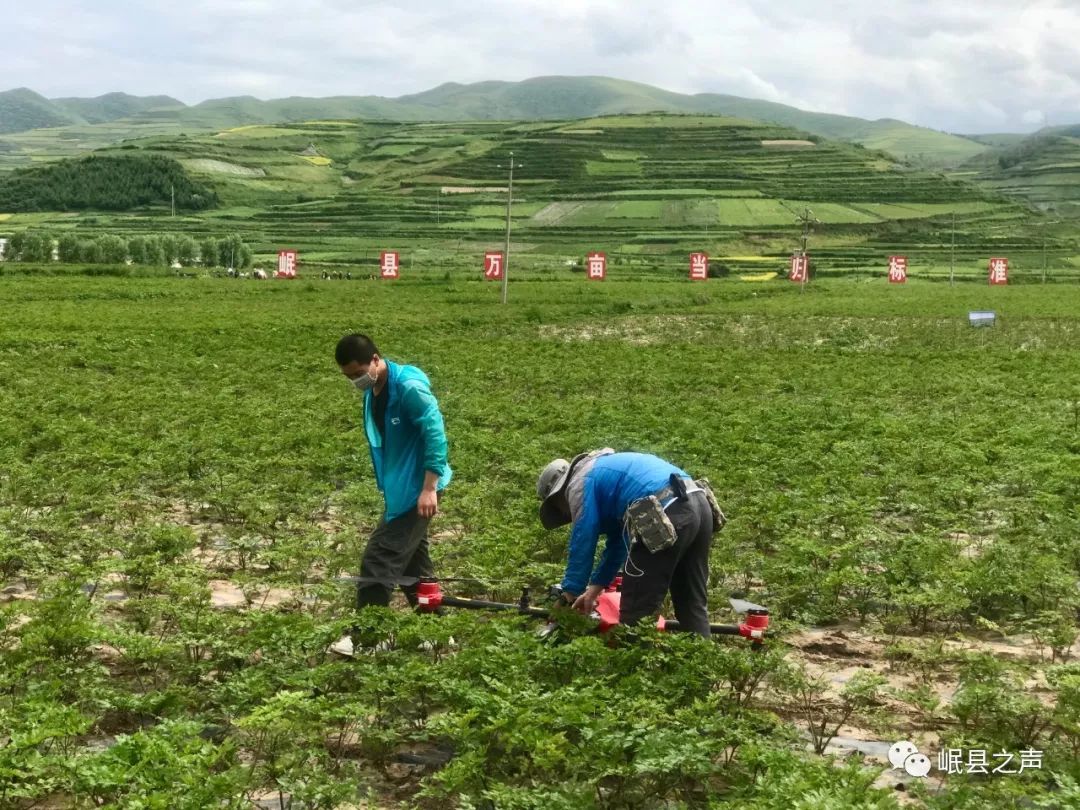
(438, 196)
(1044, 259)
(952, 251)
(509, 201)
(807, 219)
(172, 196)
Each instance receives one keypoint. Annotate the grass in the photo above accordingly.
(394, 150)
(922, 146)
(613, 168)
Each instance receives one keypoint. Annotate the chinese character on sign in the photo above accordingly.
(493, 265)
(951, 760)
(999, 271)
(897, 269)
(699, 266)
(286, 264)
(597, 266)
(388, 264)
(799, 266)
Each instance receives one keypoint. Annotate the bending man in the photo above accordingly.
(657, 520)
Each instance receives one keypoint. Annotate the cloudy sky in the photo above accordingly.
(957, 65)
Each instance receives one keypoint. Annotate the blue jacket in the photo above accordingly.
(415, 439)
(613, 483)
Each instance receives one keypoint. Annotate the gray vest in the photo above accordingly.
(575, 487)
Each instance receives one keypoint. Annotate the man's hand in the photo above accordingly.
(427, 504)
(587, 601)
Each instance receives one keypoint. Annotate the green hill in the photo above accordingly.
(579, 97)
(654, 156)
(115, 106)
(224, 113)
(542, 98)
(998, 139)
(645, 188)
(22, 109)
(1042, 170)
(118, 182)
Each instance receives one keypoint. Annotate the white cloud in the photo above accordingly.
(981, 66)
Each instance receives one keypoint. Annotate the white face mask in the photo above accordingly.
(366, 381)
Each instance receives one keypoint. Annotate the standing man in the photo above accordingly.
(407, 439)
(658, 521)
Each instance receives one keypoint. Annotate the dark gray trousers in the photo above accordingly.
(396, 549)
(682, 569)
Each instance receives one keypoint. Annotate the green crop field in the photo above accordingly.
(183, 478)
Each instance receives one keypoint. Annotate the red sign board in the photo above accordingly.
(897, 269)
(999, 271)
(699, 266)
(388, 264)
(286, 264)
(493, 265)
(596, 267)
(799, 268)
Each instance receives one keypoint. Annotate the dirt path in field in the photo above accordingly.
(473, 189)
(222, 167)
(556, 212)
(836, 654)
(637, 331)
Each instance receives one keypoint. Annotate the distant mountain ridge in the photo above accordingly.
(22, 109)
(541, 98)
(115, 106)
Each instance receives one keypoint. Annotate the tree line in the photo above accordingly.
(153, 250)
(104, 183)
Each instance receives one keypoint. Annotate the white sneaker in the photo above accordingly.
(343, 646)
(428, 646)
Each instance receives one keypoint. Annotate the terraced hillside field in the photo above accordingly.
(645, 189)
(1042, 170)
(539, 98)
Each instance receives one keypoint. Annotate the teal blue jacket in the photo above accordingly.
(415, 439)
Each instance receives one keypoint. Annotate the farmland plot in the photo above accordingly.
(183, 478)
